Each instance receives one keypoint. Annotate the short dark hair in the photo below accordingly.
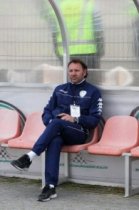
(84, 66)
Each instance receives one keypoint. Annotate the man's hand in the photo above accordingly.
(66, 117)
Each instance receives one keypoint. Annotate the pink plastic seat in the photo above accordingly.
(9, 125)
(120, 134)
(135, 151)
(32, 130)
(80, 147)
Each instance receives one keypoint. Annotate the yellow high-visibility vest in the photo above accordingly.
(78, 17)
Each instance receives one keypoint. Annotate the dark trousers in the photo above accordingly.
(57, 134)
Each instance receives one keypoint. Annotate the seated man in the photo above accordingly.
(73, 109)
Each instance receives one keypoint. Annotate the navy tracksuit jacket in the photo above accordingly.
(59, 132)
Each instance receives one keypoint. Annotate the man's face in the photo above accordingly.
(76, 73)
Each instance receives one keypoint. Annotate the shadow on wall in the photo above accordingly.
(24, 76)
(3, 75)
(51, 74)
(118, 76)
(43, 73)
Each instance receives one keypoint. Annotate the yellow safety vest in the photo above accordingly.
(78, 16)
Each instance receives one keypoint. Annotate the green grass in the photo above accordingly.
(68, 185)
(19, 180)
(95, 188)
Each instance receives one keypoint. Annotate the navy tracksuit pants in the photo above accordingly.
(58, 133)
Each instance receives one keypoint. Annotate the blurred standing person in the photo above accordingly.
(84, 29)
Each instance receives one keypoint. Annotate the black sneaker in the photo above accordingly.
(47, 193)
(22, 163)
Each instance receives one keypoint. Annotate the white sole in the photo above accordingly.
(48, 199)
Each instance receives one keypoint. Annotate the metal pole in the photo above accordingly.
(64, 37)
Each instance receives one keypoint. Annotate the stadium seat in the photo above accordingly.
(120, 134)
(135, 152)
(9, 125)
(32, 130)
(94, 137)
(80, 147)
